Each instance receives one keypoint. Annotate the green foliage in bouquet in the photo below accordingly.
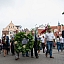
(19, 47)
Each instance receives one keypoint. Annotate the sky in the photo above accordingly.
(28, 13)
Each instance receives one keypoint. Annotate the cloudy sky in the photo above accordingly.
(27, 13)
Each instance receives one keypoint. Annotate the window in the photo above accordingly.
(13, 26)
(10, 32)
(17, 27)
(9, 26)
(8, 29)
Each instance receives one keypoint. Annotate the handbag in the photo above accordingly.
(45, 49)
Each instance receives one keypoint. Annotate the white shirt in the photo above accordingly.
(61, 39)
(57, 40)
(49, 36)
(42, 40)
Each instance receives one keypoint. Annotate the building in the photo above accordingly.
(55, 29)
(26, 30)
(11, 29)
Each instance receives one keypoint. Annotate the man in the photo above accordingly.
(35, 47)
(24, 42)
(49, 39)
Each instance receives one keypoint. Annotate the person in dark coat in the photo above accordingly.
(35, 48)
(8, 44)
(4, 45)
(0, 46)
(12, 46)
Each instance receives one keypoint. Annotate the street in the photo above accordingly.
(58, 59)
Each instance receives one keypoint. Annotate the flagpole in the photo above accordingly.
(61, 27)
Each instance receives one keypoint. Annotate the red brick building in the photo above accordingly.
(55, 29)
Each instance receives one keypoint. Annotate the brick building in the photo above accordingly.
(55, 29)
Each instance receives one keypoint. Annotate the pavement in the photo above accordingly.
(58, 59)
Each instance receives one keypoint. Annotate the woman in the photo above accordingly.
(43, 43)
(12, 46)
(58, 43)
(4, 42)
(61, 42)
(38, 43)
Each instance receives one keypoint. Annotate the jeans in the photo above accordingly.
(23, 54)
(62, 44)
(58, 46)
(49, 47)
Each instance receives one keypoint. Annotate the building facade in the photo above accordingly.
(11, 29)
(55, 29)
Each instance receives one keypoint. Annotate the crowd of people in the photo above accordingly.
(40, 43)
(5, 45)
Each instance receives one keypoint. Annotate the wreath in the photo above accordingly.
(19, 47)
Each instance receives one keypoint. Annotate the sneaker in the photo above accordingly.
(27, 56)
(32, 57)
(16, 58)
(51, 57)
(37, 56)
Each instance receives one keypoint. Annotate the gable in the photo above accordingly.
(10, 27)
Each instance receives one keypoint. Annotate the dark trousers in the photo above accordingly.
(12, 49)
(35, 50)
(32, 52)
(43, 46)
(8, 50)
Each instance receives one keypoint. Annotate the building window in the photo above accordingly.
(10, 32)
(9, 26)
(13, 26)
(8, 29)
(17, 27)
(25, 31)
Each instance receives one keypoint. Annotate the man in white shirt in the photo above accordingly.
(49, 38)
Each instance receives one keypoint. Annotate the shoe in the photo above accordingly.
(51, 57)
(32, 57)
(16, 58)
(46, 55)
(27, 56)
(37, 56)
(4, 56)
(13, 54)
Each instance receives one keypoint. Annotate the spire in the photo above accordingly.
(11, 21)
(58, 23)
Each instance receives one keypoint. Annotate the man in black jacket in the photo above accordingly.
(35, 48)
